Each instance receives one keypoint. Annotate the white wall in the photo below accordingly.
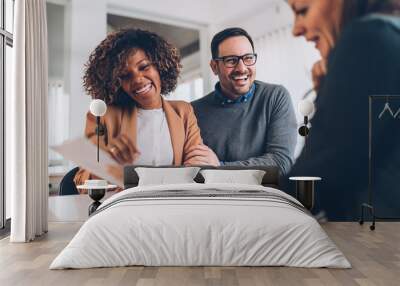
(190, 67)
(271, 15)
(196, 11)
(88, 26)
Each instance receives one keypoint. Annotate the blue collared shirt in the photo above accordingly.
(223, 100)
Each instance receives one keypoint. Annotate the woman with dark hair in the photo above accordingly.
(359, 40)
(130, 70)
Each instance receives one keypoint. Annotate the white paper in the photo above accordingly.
(84, 153)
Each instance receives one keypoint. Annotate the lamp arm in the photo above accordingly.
(98, 135)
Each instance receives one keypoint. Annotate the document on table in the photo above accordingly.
(84, 153)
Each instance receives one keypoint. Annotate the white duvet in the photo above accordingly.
(207, 230)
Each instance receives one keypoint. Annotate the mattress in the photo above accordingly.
(201, 225)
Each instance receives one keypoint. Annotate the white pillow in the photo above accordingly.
(166, 176)
(248, 177)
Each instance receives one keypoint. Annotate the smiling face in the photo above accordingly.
(234, 81)
(318, 21)
(141, 80)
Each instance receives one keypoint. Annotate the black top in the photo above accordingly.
(365, 61)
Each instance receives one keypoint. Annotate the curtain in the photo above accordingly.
(286, 60)
(28, 123)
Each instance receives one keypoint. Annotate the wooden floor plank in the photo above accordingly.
(374, 255)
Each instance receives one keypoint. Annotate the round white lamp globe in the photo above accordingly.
(98, 107)
(306, 107)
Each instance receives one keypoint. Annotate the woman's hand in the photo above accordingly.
(123, 150)
(117, 171)
(318, 72)
(201, 155)
(117, 189)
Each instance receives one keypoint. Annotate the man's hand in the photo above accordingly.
(201, 155)
(318, 72)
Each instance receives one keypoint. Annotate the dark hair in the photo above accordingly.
(357, 8)
(106, 63)
(223, 35)
(384, 6)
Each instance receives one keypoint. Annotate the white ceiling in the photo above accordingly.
(180, 37)
(197, 11)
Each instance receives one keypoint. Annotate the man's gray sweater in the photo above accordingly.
(259, 131)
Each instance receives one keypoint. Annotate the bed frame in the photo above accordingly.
(270, 179)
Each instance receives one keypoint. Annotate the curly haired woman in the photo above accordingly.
(130, 70)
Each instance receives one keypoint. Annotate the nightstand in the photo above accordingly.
(305, 190)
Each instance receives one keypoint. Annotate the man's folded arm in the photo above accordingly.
(281, 137)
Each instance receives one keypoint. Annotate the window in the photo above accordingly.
(6, 44)
(189, 90)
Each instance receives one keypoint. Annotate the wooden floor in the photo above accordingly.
(375, 257)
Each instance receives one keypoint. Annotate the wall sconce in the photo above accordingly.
(98, 108)
(305, 185)
(306, 108)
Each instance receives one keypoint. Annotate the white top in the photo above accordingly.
(88, 187)
(305, 178)
(153, 138)
(96, 184)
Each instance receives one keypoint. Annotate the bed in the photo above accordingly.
(201, 224)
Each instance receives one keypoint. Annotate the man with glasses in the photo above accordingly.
(243, 122)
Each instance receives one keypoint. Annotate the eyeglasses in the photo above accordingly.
(232, 61)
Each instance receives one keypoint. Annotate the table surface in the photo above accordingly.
(305, 178)
(73, 208)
